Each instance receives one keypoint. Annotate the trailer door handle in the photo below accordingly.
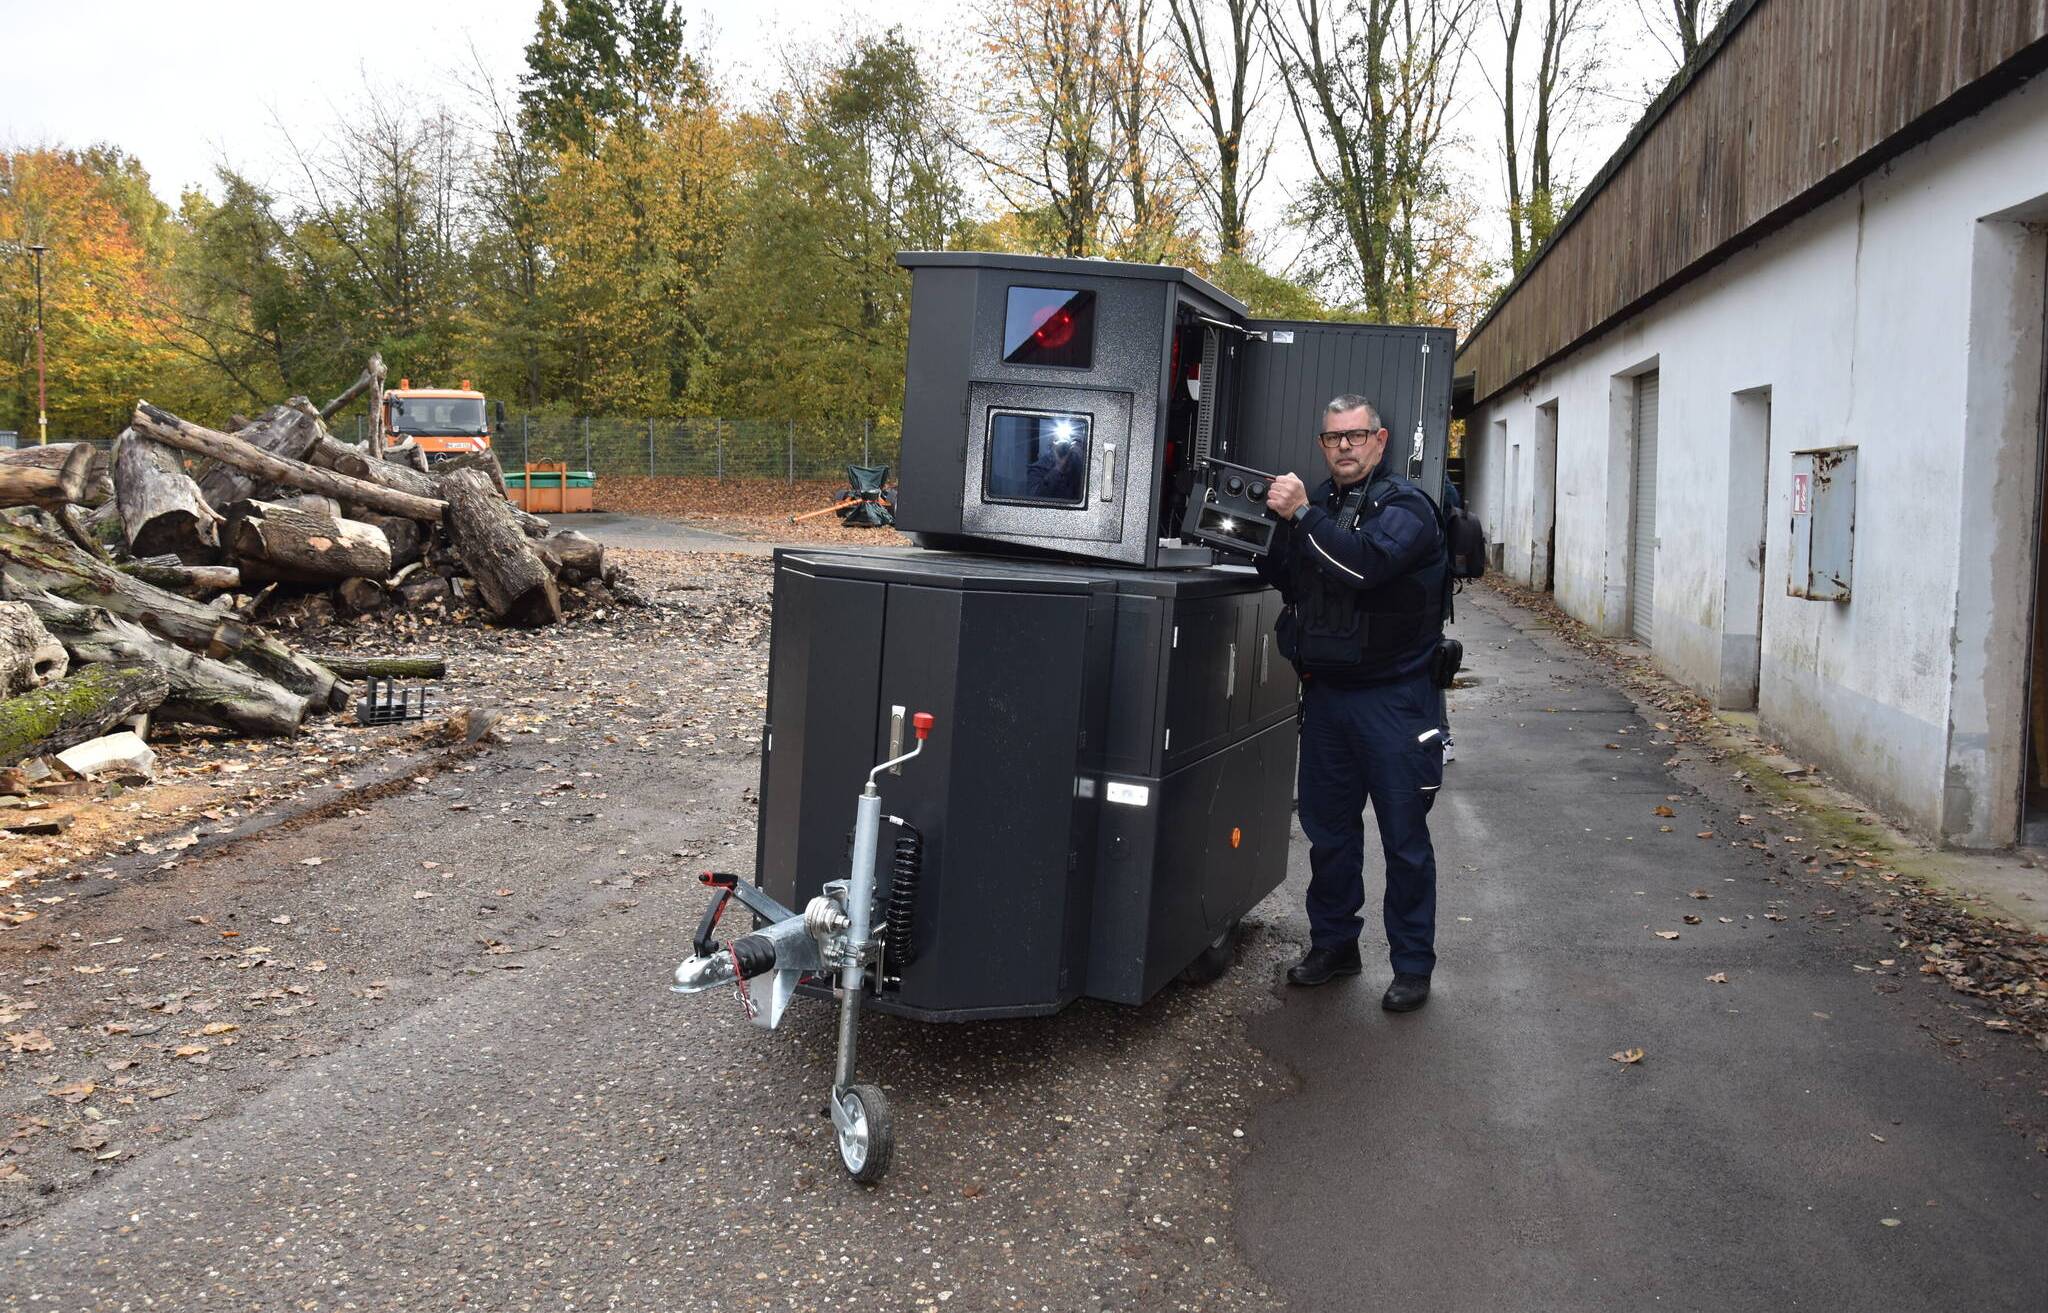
(1109, 471)
(1230, 682)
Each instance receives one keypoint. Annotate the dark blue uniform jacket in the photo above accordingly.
(1394, 561)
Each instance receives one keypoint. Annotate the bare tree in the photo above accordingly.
(1227, 75)
(1371, 85)
(1565, 77)
(1051, 103)
(1678, 26)
(507, 189)
(1144, 69)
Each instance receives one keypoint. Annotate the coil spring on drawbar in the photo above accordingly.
(906, 869)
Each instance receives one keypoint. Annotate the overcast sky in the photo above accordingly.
(187, 86)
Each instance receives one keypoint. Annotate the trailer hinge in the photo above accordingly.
(1168, 745)
(1176, 637)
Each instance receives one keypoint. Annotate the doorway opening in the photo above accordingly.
(1642, 557)
(2034, 802)
(1742, 597)
(1543, 498)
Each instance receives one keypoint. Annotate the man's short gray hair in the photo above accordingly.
(1352, 401)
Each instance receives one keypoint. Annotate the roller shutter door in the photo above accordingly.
(1643, 532)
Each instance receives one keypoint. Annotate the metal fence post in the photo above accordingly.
(792, 453)
(525, 429)
(718, 432)
(586, 442)
(650, 446)
(866, 432)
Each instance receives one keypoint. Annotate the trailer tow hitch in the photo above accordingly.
(836, 932)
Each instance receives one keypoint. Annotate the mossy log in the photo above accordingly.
(81, 706)
(201, 690)
(34, 557)
(192, 580)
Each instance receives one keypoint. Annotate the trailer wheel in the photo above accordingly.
(1215, 961)
(867, 1143)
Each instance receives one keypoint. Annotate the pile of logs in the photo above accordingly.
(130, 586)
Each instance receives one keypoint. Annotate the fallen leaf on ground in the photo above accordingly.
(30, 1041)
(1690, 919)
(1718, 978)
(1888, 1221)
(1704, 834)
(1662, 810)
(189, 1050)
(1700, 894)
(75, 1092)
(1627, 1057)
(312, 861)
(218, 1027)
(1667, 934)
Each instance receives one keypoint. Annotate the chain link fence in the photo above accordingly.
(697, 448)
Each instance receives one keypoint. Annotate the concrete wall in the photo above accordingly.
(1904, 317)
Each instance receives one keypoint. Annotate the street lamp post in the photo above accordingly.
(42, 393)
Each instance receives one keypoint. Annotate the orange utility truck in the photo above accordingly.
(443, 421)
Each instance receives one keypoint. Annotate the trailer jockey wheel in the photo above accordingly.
(867, 1139)
(1215, 961)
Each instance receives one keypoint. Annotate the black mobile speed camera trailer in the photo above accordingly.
(1087, 739)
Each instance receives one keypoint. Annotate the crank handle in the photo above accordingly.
(922, 723)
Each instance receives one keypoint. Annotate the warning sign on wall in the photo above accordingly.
(1802, 494)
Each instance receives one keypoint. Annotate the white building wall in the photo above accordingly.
(1858, 318)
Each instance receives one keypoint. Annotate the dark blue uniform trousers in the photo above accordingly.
(1382, 744)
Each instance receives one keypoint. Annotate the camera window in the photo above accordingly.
(1047, 326)
(1038, 458)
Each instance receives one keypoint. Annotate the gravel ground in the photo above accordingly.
(416, 1050)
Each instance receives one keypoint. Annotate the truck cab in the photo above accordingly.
(443, 421)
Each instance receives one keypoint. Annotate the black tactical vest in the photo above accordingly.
(1334, 630)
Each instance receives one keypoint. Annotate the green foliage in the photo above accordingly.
(594, 64)
(1270, 295)
(810, 312)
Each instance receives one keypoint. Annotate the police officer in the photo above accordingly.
(1361, 563)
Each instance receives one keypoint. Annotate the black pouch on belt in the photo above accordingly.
(1450, 659)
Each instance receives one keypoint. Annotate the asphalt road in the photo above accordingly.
(1826, 1130)
(482, 1095)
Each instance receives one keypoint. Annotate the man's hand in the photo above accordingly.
(1285, 496)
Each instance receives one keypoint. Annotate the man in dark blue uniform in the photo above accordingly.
(1361, 563)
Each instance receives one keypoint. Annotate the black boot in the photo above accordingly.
(1319, 966)
(1406, 994)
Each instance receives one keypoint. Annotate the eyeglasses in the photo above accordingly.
(1347, 437)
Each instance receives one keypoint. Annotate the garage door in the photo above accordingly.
(1642, 608)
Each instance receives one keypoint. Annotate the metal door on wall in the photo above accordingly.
(1642, 556)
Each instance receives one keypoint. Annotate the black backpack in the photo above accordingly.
(1465, 540)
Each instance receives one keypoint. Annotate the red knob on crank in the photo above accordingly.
(922, 722)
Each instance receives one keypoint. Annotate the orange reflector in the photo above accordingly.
(1236, 836)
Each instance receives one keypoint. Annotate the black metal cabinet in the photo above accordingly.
(1100, 798)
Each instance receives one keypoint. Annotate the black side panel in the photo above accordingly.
(1170, 878)
(1283, 386)
(824, 665)
(1276, 689)
(1199, 679)
(1003, 895)
(933, 457)
(1137, 686)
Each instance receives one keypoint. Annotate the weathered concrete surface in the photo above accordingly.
(1486, 1153)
